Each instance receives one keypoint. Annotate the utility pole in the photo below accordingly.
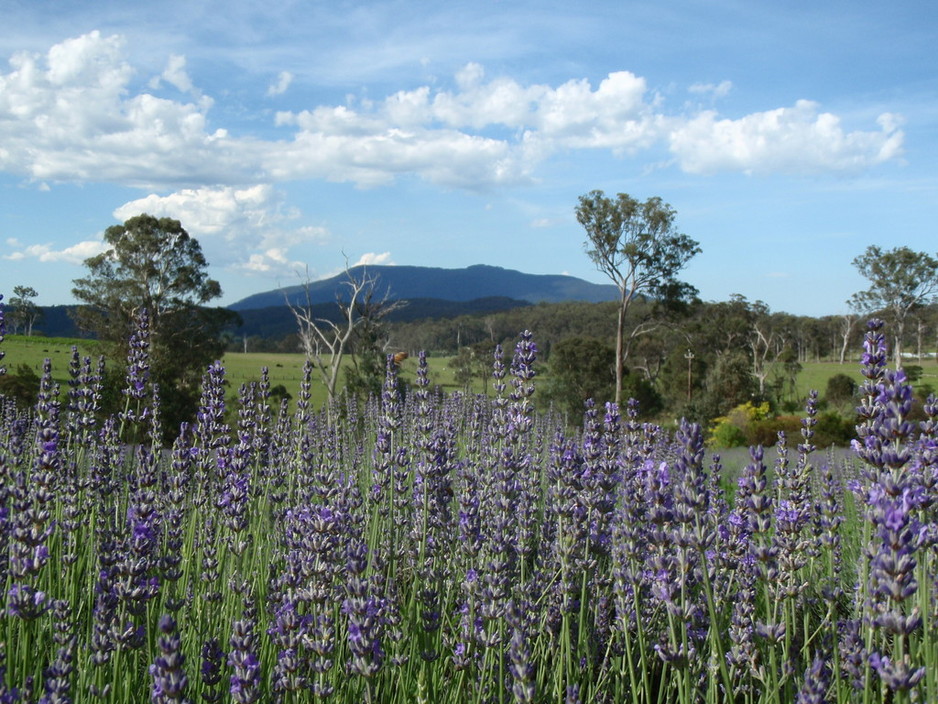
(689, 356)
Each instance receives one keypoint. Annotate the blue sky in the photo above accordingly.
(292, 135)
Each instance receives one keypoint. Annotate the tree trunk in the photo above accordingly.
(900, 332)
(620, 348)
(846, 329)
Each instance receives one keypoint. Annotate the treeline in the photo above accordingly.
(700, 361)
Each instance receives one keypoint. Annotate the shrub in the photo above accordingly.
(726, 435)
(731, 430)
(833, 429)
(840, 388)
(765, 432)
(22, 386)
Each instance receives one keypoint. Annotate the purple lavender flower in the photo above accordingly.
(899, 675)
(3, 330)
(519, 653)
(365, 614)
(288, 632)
(816, 683)
(892, 585)
(210, 670)
(57, 677)
(168, 669)
(30, 525)
(26, 603)
(137, 375)
(246, 669)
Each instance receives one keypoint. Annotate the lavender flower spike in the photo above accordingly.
(3, 329)
(169, 676)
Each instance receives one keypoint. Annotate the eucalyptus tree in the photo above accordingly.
(636, 244)
(23, 309)
(153, 264)
(901, 281)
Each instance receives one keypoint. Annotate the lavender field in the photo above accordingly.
(431, 548)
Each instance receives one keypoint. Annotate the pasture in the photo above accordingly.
(240, 368)
(287, 369)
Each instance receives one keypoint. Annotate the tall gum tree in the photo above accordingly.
(154, 264)
(637, 245)
(23, 310)
(901, 281)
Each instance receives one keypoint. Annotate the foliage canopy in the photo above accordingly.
(636, 244)
(901, 280)
(153, 264)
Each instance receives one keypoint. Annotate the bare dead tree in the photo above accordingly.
(324, 341)
(766, 341)
(848, 322)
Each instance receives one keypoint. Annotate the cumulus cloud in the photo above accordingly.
(175, 74)
(245, 229)
(75, 254)
(280, 87)
(373, 258)
(73, 114)
(717, 90)
(69, 116)
(271, 262)
(799, 139)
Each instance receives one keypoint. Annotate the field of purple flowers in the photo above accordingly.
(457, 549)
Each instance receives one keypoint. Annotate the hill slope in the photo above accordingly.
(471, 283)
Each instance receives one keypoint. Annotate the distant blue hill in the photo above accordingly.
(417, 282)
(430, 292)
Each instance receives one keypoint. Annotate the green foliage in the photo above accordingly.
(637, 387)
(765, 431)
(154, 264)
(840, 389)
(729, 383)
(638, 247)
(732, 429)
(749, 424)
(901, 280)
(580, 369)
(833, 429)
(726, 435)
(279, 392)
(473, 365)
(23, 312)
(21, 385)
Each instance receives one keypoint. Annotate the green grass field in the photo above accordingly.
(241, 368)
(814, 375)
(33, 351)
(287, 369)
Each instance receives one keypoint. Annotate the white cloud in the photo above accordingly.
(280, 87)
(374, 259)
(76, 254)
(175, 74)
(72, 115)
(717, 90)
(273, 262)
(247, 229)
(798, 139)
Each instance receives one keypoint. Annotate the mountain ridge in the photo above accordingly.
(466, 284)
